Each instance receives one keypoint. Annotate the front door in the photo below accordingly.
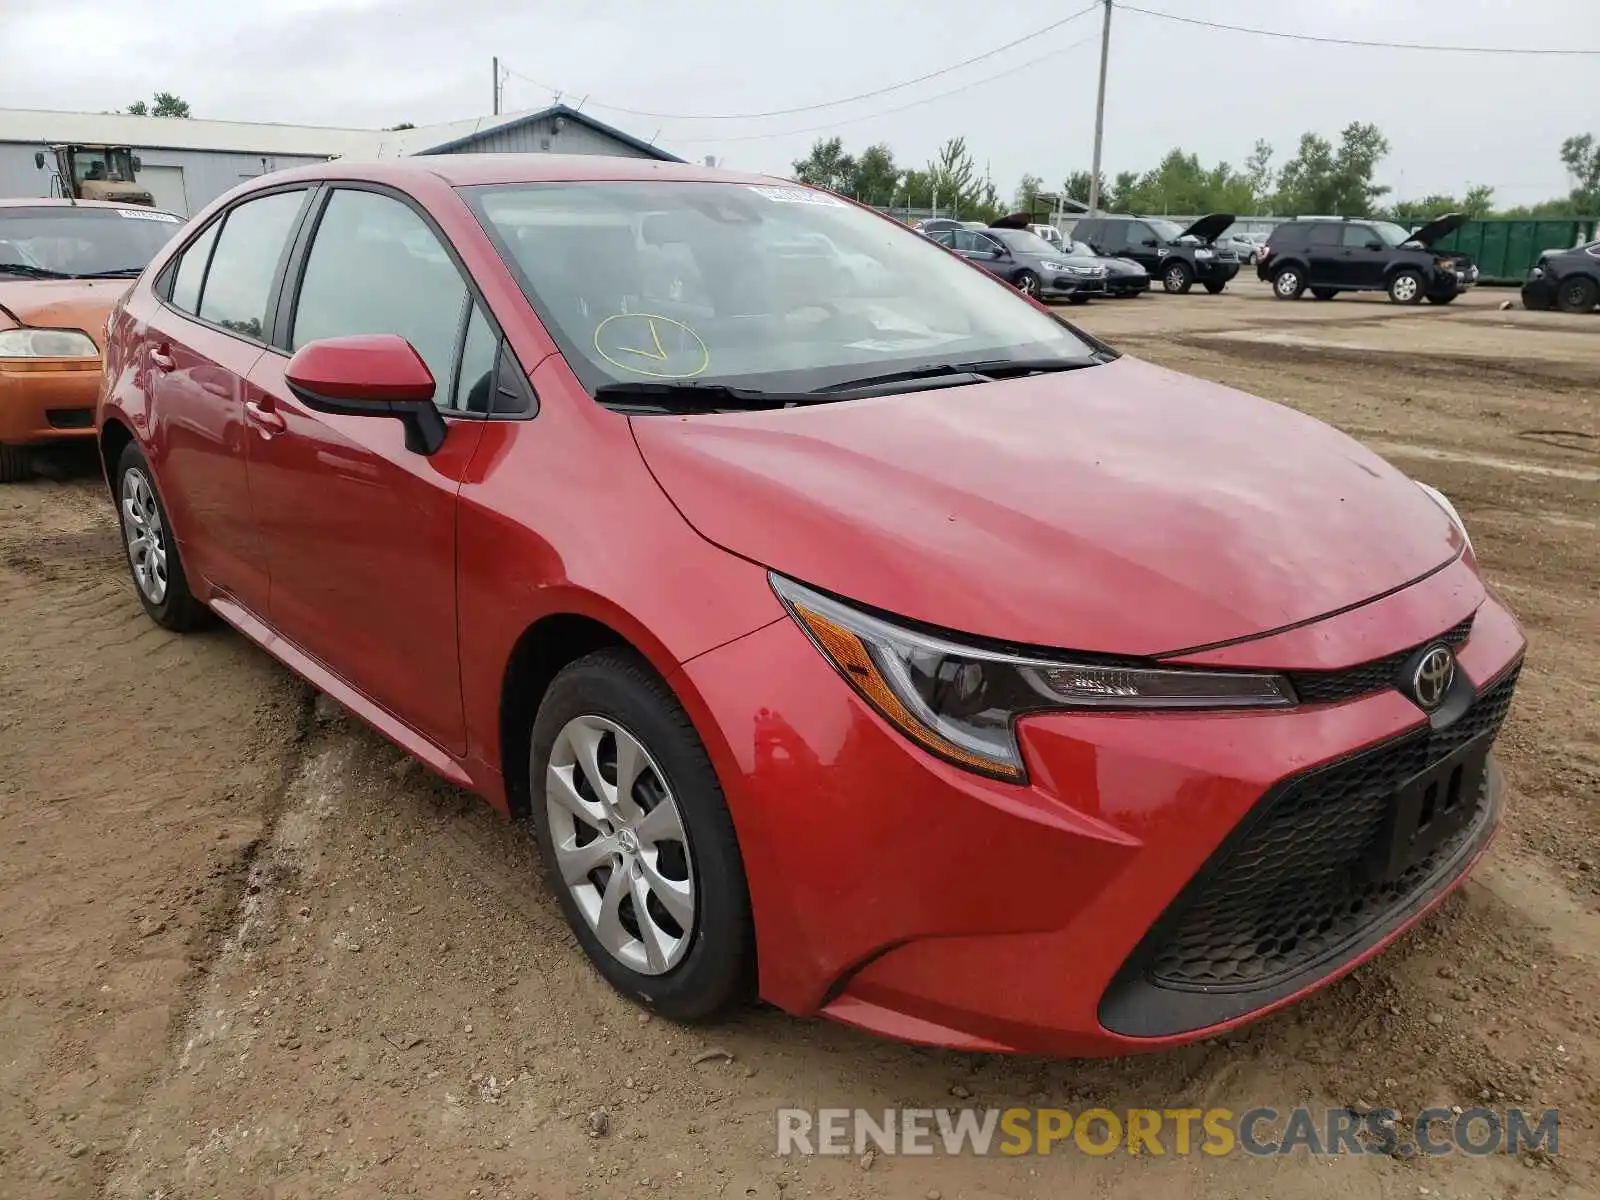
(199, 348)
(360, 533)
(1364, 257)
(1141, 244)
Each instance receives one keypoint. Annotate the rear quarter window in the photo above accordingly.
(1288, 236)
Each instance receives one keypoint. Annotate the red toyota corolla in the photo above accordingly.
(853, 630)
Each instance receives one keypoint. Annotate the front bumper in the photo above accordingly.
(47, 399)
(1058, 286)
(908, 897)
(1127, 285)
(1213, 269)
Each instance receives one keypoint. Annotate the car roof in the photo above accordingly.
(468, 170)
(57, 202)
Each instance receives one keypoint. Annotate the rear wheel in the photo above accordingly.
(1288, 283)
(14, 464)
(1406, 287)
(1177, 277)
(153, 556)
(1028, 283)
(1324, 293)
(637, 841)
(1578, 295)
(1215, 286)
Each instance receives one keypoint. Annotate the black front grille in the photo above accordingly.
(1330, 687)
(1305, 883)
(70, 418)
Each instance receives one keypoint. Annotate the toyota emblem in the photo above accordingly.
(1431, 681)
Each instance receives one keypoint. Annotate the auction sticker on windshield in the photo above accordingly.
(653, 345)
(151, 215)
(795, 195)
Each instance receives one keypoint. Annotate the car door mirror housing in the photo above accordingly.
(1374, 245)
(1149, 242)
(372, 375)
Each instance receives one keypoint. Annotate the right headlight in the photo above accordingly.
(47, 343)
(961, 702)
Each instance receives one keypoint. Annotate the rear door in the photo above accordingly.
(360, 533)
(1325, 255)
(199, 348)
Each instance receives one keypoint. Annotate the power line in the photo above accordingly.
(1336, 41)
(784, 112)
(832, 125)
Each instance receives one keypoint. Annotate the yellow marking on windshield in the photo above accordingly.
(656, 353)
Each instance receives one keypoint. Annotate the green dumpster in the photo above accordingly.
(1504, 248)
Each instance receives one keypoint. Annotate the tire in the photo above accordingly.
(1028, 284)
(141, 516)
(1577, 295)
(1442, 297)
(1535, 301)
(1215, 286)
(1177, 278)
(15, 465)
(1288, 283)
(708, 967)
(1077, 299)
(1406, 287)
(1324, 293)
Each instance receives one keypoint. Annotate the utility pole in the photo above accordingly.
(497, 93)
(1100, 112)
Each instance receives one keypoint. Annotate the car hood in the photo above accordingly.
(1123, 266)
(1121, 508)
(61, 303)
(1437, 228)
(1208, 227)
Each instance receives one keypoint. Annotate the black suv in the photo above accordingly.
(1175, 254)
(1565, 279)
(1330, 255)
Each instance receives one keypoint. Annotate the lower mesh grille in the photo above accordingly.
(1297, 885)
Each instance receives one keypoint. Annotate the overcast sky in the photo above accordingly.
(1453, 119)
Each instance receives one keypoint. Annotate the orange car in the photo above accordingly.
(63, 264)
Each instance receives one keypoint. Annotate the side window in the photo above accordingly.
(475, 381)
(1356, 237)
(192, 270)
(245, 262)
(984, 244)
(1326, 235)
(376, 267)
(1138, 233)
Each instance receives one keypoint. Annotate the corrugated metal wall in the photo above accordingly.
(541, 137)
(206, 174)
(1504, 248)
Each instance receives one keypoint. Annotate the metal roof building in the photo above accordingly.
(186, 163)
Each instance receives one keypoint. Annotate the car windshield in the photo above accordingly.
(777, 288)
(70, 242)
(1025, 241)
(1392, 235)
(1082, 250)
(1166, 230)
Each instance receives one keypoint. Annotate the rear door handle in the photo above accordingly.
(161, 360)
(265, 418)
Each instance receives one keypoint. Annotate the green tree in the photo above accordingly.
(1077, 184)
(1027, 197)
(1319, 179)
(954, 177)
(1478, 202)
(167, 104)
(1415, 212)
(827, 166)
(876, 178)
(1258, 174)
(1581, 156)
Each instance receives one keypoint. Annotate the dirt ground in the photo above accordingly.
(249, 950)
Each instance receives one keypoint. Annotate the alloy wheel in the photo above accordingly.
(146, 536)
(1028, 285)
(1288, 283)
(1405, 288)
(620, 844)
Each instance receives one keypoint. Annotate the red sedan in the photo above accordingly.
(852, 630)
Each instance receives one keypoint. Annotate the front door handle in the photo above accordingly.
(265, 418)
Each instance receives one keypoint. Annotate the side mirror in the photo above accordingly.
(372, 375)
(38, 159)
(1374, 245)
(1150, 242)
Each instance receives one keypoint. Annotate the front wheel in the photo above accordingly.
(1077, 299)
(14, 464)
(1028, 283)
(1287, 284)
(1578, 295)
(1215, 286)
(637, 841)
(1442, 297)
(1406, 287)
(1177, 278)
(153, 556)
(1324, 293)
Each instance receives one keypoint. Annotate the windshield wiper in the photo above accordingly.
(118, 273)
(688, 396)
(33, 272)
(946, 374)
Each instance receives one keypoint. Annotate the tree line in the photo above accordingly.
(1321, 177)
